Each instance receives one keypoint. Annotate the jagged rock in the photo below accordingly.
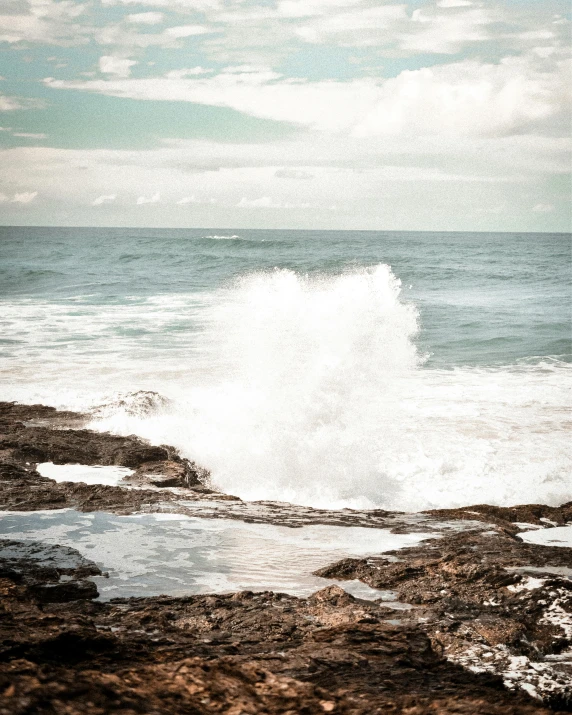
(33, 434)
(483, 603)
(166, 473)
(509, 517)
(234, 653)
(50, 574)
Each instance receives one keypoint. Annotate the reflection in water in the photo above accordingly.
(151, 554)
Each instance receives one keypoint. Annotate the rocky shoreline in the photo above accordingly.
(486, 623)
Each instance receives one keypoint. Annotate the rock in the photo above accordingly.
(486, 620)
(50, 574)
(510, 517)
(168, 473)
(66, 446)
(33, 434)
(232, 653)
(12, 413)
(480, 600)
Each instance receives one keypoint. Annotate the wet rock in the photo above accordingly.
(488, 628)
(168, 473)
(12, 413)
(24, 489)
(513, 519)
(233, 653)
(33, 434)
(50, 574)
(481, 601)
(66, 446)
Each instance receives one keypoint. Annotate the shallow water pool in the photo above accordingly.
(110, 476)
(152, 554)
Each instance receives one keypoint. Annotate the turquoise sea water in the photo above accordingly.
(484, 298)
(344, 368)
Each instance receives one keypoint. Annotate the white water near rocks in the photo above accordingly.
(557, 536)
(311, 384)
(311, 391)
(110, 476)
(173, 554)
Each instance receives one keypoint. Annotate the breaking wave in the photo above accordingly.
(311, 390)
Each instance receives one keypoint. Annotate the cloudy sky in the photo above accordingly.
(432, 115)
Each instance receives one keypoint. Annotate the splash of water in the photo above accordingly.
(311, 390)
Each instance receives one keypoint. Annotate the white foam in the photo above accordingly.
(110, 476)
(556, 536)
(529, 583)
(313, 393)
(304, 389)
(546, 570)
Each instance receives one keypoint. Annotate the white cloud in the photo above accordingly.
(263, 202)
(543, 208)
(293, 174)
(3, 198)
(185, 31)
(146, 18)
(359, 27)
(44, 21)
(25, 197)
(308, 8)
(194, 200)
(104, 199)
(9, 104)
(370, 137)
(30, 135)
(411, 181)
(149, 200)
(188, 5)
(446, 32)
(192, 72)
(389, 27)
(116, 65)
(125, 36)
(467, 98)
(454, 3)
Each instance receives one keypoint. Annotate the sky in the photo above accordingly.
(330, 114)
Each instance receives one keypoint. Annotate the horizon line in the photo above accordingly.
(306, 230)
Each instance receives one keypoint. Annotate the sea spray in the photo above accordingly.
(310, 389)
(304, 360)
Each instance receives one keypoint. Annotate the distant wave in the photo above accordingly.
(250, 241)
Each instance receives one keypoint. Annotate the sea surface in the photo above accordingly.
(329, 368)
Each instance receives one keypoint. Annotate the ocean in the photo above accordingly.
(337, 369)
